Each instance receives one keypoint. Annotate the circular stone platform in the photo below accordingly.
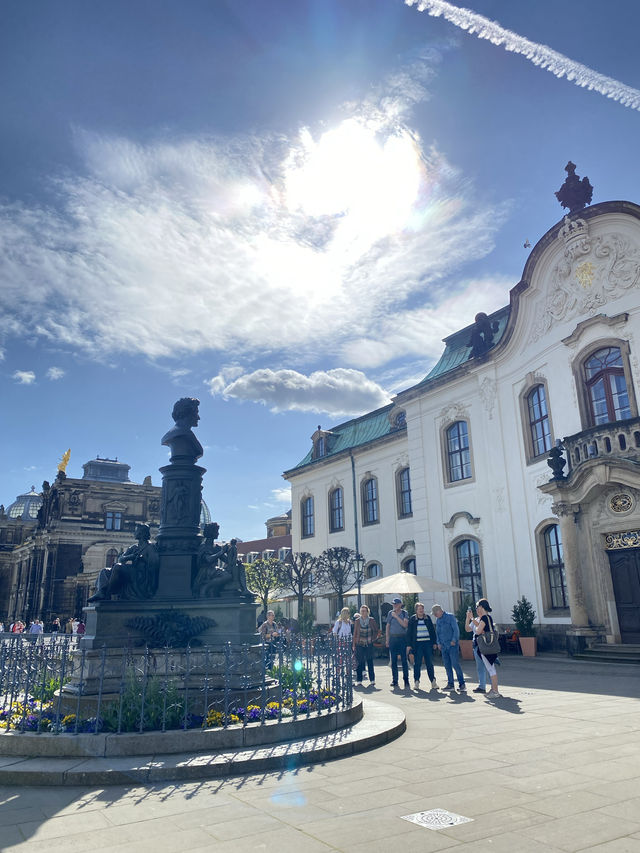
(33, 759)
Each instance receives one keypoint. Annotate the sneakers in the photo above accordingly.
(416, 685)
(493, 694)
(358, 683)
(479, 689)
(434, 684)
(372, 684)
(462, 688)
(407, 686)
(450, 687)
(394, 684)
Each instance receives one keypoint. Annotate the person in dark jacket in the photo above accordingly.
(421, 637)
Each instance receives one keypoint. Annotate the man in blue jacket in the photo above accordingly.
(448, 637)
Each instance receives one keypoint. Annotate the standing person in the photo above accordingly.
(397, 623)
(421, 637)
(55, 626)
(343, 625)
(269, 634)
(448, 636)
(485, 623)
(68, 628)
(365, 633)
(471, 624)
(35, 627)
(81, 628)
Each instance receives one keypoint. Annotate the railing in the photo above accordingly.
(618, 439)
(51, 685)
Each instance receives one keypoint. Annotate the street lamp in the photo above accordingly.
(359, 573)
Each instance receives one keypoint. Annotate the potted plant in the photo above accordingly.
(466, 639)
(524, 616)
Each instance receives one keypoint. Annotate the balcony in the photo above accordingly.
(619, 440)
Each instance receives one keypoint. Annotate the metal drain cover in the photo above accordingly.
(436, 819)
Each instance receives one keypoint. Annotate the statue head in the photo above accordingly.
(185, 412)
(211, 530)
(143, 531)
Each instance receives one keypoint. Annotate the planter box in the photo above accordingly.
(529, 646)
(466, 649)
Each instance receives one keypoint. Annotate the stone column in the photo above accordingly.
(566, 513)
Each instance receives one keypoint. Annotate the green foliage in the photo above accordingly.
(279, 614)
(287, 677)
(409, 602)
(264, 577)
(461, 616)
(524, 616)
(306, 620)
(45, 692)
(158, 696)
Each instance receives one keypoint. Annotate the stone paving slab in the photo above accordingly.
(552, 767)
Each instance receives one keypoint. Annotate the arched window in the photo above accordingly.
(403, 492)
(370, 514)
(606, 386)
(458, 456)
(306, 513)
(373, 570)
(111, 557)
(336, 510)
(555, 567)
(468, 568)
(539, 426)
(409, 565)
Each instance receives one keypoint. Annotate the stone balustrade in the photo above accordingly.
(618, 439)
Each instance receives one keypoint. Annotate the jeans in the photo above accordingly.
(451, 661)
(364, 654)
(422, 650)
(482, 670)
(398, 646)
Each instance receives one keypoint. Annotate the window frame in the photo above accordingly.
(405, 565)
(307, 518)
(580, 379)
(548, 608)
(113, 520)
(333, 510)
(477, 590)
(370, 501)
(533, 383)
(447, 454)
(402, 492)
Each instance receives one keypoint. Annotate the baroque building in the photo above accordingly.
(453, 479)
(54, 543)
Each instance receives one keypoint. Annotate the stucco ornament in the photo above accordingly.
(453, 412)
(621, 502)
(488, 389)
(592, 272)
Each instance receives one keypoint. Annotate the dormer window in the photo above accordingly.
(320, 440)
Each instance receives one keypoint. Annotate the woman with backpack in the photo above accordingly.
(484, 624)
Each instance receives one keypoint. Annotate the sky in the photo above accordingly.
(279, 208)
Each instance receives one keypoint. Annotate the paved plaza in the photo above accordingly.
(553, 766)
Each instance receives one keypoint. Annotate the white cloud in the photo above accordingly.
(237, 245)
(282, 495)
(337, 392)
(539, 54)
(24, 377)
(55, 373)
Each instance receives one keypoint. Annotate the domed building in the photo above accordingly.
(53, 543)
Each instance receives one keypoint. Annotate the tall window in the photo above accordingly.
(113, 521)
(111, 557)
(370, 501)
(555, 567)
(458, 456)
(468, 566)
(308, 525)
(321, 447)
(373, 570)
(403, 486)
(336, 510)
(539, 421)
(409, 565)
(607, 386)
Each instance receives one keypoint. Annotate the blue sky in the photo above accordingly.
(280, 208)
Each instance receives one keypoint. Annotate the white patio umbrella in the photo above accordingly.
(403, 583)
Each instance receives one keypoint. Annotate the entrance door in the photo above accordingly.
(625, 573)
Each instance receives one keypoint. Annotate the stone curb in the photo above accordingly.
(380, 724)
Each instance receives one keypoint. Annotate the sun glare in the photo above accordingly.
(371, 184)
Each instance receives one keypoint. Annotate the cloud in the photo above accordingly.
(539, 54)
(24, 377)
(55, 373)
(247, 245)
(282, 495)
(337, 392)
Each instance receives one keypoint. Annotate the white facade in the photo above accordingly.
(579, 295)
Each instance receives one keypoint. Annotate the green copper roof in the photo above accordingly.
(457, 348)
(355, 433)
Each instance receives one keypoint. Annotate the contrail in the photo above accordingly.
(539, 54)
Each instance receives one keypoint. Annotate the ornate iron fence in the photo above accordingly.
(51, 684)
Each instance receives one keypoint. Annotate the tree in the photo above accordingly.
(336, 568)
(297, 576)
(263, 577)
